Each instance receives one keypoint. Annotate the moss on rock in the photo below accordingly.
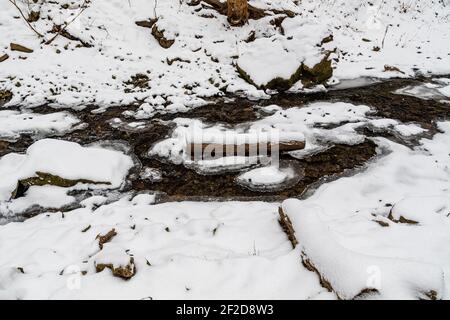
(310, 76)
(43, 178)
(318, 74)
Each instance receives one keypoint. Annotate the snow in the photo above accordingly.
(181, 250)
(266, 175)
(339, 218)
(64, 75)
(65, 159)
(266, 59)
(13, 123)
(349, 273)
(384, 226)
(435, 209)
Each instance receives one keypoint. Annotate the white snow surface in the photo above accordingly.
(181, 250)
(13, 123)
(266, 176)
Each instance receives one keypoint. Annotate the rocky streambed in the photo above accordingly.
(176, 181)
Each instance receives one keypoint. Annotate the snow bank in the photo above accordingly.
(351, 274)
(349, 225)
(201, 61)
(423, 210)
(64, 159)
(181, 251)
(266, 176)
(12, 123)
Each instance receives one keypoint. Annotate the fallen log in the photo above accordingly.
(209, 151)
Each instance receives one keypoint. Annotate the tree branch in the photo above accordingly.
(26, 20)
(61, 30)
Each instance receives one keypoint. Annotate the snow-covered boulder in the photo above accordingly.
(352, 274)
(64, 164)
(279, 62)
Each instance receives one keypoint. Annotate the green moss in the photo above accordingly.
(42, 179)
(318, 74)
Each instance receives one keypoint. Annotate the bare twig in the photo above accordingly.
(26, 20)
(61, 30)
(384, 37)
(154, 9)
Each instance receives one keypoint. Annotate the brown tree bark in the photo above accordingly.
(237, 12)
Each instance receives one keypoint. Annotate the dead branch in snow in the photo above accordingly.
(40, 35)
(83, 7)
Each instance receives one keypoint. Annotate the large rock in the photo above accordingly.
(277, 65)
(64, 164)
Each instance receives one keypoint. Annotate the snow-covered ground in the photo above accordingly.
(413, 36)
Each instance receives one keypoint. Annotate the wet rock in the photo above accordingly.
(162, 40)
(318, 74)
(201, 150)
(310, 76)
(20, 48)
